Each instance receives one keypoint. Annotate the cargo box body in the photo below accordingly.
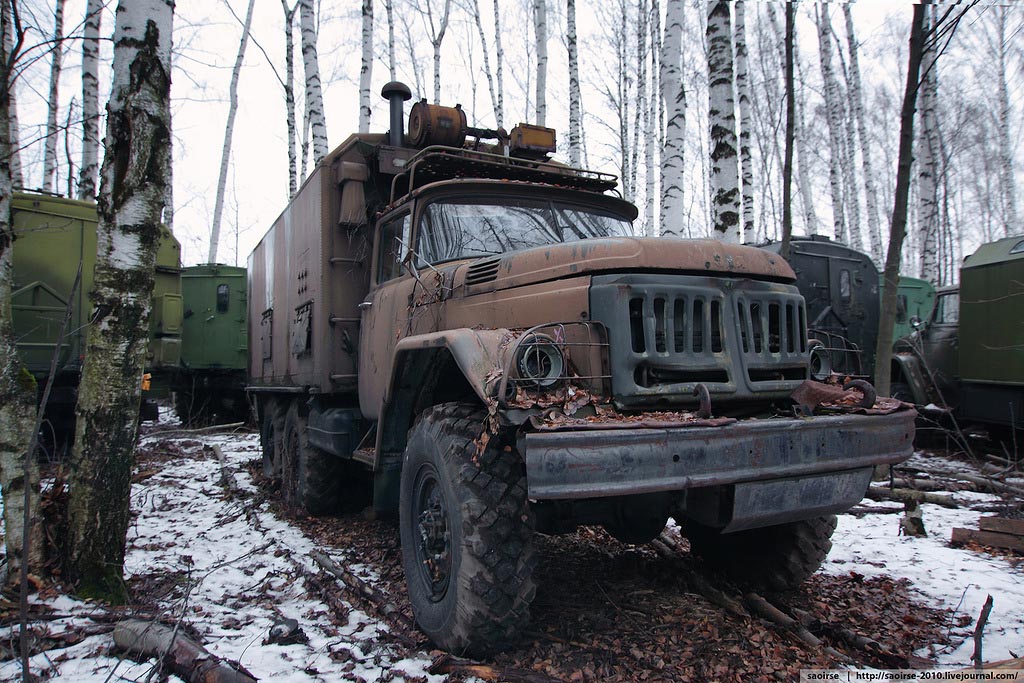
(307, 277)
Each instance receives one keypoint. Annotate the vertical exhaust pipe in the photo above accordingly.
(396, 93)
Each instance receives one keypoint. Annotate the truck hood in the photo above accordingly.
(633, 254)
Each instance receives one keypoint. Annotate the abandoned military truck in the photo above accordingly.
(478, 330)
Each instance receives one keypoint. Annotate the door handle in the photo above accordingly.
(365, 305)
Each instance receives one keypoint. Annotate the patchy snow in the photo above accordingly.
(955, 578)
(232, 576)
(214, 561)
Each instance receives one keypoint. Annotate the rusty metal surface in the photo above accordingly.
(766, 503)
(708, 257)
(584, 464)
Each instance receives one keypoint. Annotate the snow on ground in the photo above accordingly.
(230, 581)
(955, 578)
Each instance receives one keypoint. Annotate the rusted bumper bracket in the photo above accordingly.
(599, 463)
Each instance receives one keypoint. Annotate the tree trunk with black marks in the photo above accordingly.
(725, 191)
(289, 95)
(132, 186)
(540, 27)
(311, 66)
(53, 101)
(673, 92)
(366, 68)
(749, 236)
(90, 100)
(575, 104)
(833, 110)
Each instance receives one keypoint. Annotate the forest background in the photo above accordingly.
(843, 182)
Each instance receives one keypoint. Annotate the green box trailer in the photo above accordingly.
(52, 236)
(210, 383)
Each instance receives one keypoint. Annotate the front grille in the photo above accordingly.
(741, 338)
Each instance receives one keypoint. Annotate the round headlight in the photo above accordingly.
(540, 361)
(821, 362)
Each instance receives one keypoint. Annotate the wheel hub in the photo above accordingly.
(434, 547)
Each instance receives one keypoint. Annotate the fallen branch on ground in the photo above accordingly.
(177, 431)
(186, 658)
(384, 605)
(766, 610)
(904, 495)
(664, 545)
(979, 630)
(450, 664)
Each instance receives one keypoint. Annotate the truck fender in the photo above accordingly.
(423, 369)
(906, 368)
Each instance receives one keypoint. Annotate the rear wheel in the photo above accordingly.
(466, 533)
(271, 437)
(310, 477)
(776, 557)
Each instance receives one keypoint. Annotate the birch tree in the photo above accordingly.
(746, 123)
(641, 110)
(13, 37)
(311, 67)
(17, 387)
(724, 176)
(90, 100)
(229, 129)
(540, 27)
(833, 110)
(499, 59)
(389, 9)
(436, 28)
(883, 351)
(130, 203)
(53, 103)
(652, 125)
(366, 68)
(787, 164)
(1007, 186)
(874, 218)
(928, 157)
(289, 93)
(575, 104)
(673, 92)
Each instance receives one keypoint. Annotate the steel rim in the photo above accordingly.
(433, 533)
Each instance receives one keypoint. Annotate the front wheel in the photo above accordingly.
(777, 557)
(466, 533)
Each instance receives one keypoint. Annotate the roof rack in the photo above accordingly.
(444, 163)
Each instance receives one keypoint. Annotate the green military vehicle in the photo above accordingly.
(915, 300)
(475, 332)
(209, 386)
(52, 236)
(969, 355)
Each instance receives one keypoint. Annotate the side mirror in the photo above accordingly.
(916, 322)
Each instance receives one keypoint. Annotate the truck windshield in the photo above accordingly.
(451, 230)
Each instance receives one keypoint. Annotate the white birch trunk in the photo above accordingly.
(673, 92)
(746, 122)
(499, 58)
(575, 103)
(928, 158)
(289, 94)
(366, 68)
(835, 120)
(53, 102)
(1007, 184)
(13, 136)
(436, 38)
(874, 217)
(90, 100)
(651, 125)
(851, 194)
(17, 387)
(724, 176)
(311, 66)
(540, 25)
(640, 59)
(130, 202)
(389, 8)
(478, 21)
(229, 129)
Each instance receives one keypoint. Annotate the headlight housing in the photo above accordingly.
(539, 360)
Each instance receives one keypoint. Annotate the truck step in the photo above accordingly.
(366, 456)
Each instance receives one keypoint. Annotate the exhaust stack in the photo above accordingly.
(396, 93)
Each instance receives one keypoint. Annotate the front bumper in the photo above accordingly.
(780, 468)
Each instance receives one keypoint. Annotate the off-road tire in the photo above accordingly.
(775, 558)
(271, 438)
(310, 477)
(479, 514)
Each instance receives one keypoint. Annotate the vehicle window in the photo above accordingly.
(394, 245)
(1018, 248)
(844, 285)
(452, 230)
(223, 298)
(947, 308)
